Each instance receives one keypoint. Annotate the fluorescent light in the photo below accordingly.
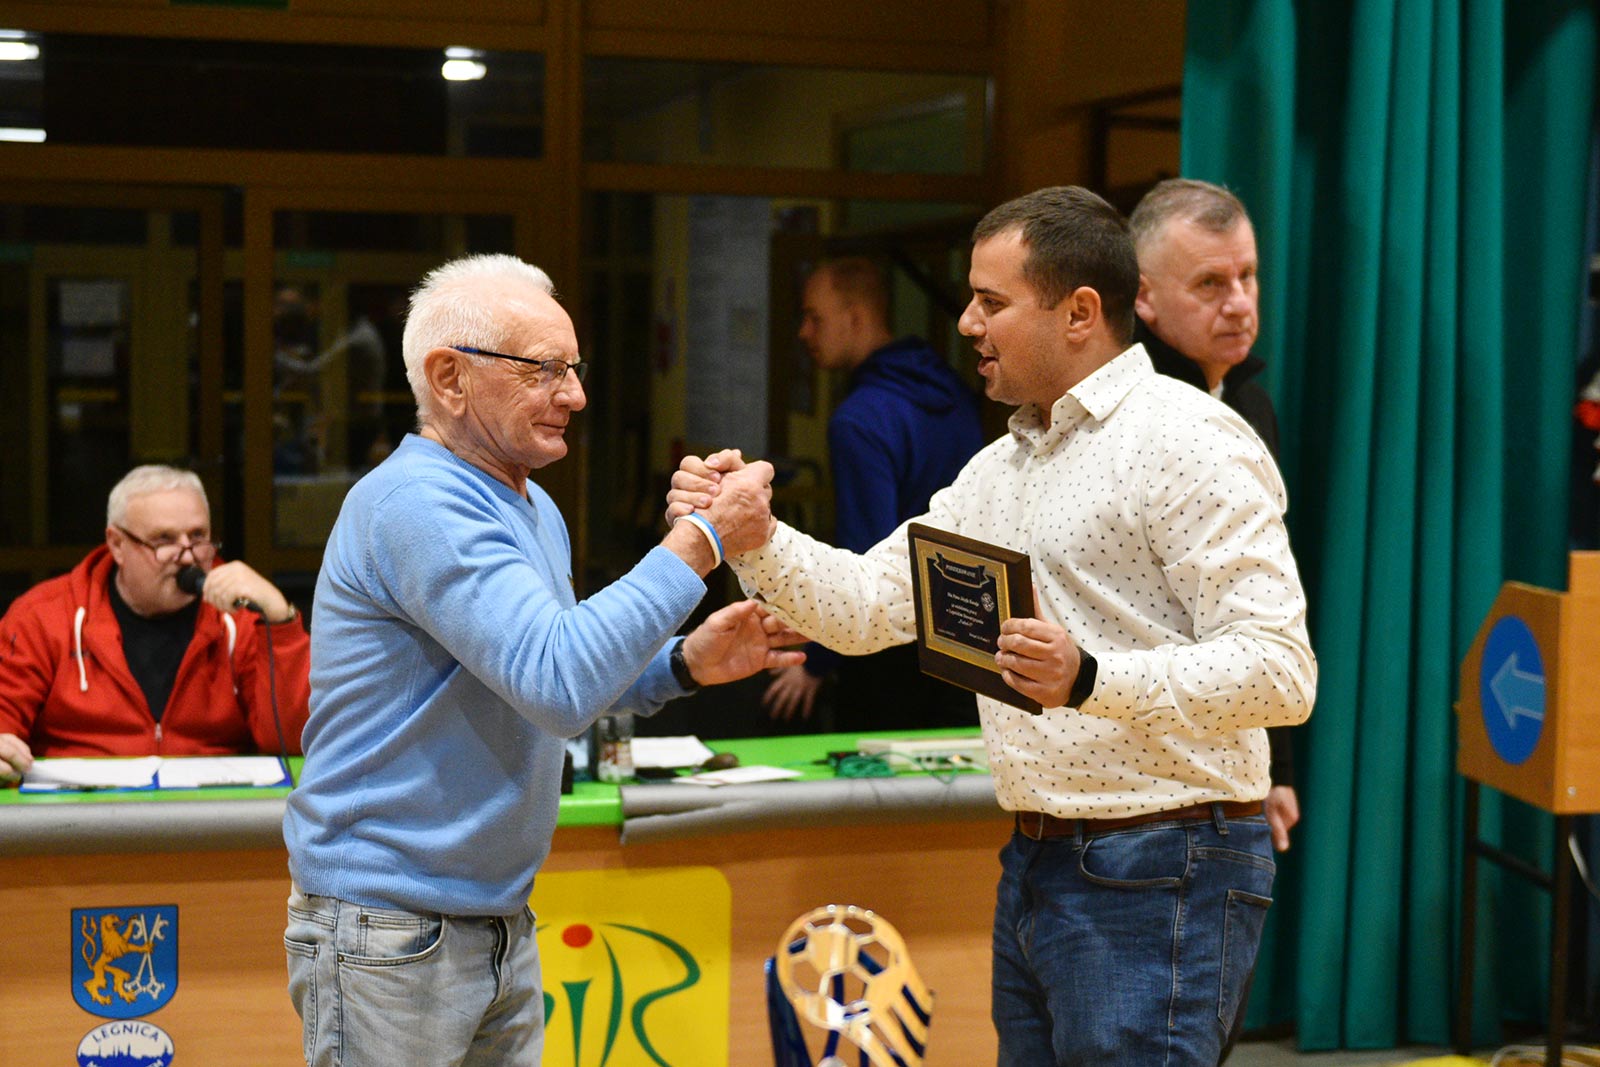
(21, 133)
(18, 51)
(457, 52)
(462, 70)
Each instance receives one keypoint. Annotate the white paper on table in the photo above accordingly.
(193, 772)
(75, 773)
(669, 752)
(740, 776)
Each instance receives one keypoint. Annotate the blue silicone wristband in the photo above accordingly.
(711, 534)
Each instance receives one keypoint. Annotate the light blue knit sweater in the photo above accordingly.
(449, 660)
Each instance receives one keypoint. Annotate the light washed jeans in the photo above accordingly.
(377, 987)
(1132, 948)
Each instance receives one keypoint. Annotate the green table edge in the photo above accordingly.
(589, 804)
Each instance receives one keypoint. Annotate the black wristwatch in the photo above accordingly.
(680, 668)
(1083, 685)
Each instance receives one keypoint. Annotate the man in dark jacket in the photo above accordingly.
(905, 428)
(1199, 314)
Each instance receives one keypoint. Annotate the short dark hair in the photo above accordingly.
(1074, 239)
(1210, 207)
(858, 280)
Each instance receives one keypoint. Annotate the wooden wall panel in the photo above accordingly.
(508, 25)
(526, 12)
(902, 22)
(529, 12)
(231, 1007)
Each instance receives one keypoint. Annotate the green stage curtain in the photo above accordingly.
(1416, 170)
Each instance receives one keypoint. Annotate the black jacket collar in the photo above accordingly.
(1175, 364)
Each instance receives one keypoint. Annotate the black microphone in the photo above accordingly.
(192, 580)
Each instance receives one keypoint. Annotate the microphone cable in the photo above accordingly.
(192, 580)
(272, 693)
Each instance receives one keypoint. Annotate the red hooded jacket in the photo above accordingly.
(66, 690)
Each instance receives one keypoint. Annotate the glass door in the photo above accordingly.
(110, 346)
(325, 395)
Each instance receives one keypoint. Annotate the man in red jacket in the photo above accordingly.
(114, 659)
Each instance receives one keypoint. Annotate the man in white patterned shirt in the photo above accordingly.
(1170, 631)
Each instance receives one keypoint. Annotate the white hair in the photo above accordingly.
(150, 478)
(464, 302)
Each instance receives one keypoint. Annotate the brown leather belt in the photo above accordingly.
(1039, 826)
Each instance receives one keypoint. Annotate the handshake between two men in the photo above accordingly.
(742, 638)
(1035, 656)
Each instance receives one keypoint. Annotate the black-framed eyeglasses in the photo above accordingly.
(550, 370)
(167, 549)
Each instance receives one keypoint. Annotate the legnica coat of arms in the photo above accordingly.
(124, 960)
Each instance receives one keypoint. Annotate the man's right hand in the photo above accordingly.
(793, 693)
(741, 510)
(738, 506)
(227, 584)
(15, 758)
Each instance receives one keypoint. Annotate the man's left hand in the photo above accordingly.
(696, 481)
(1283, 811)
(736, 642)
(1037, 659)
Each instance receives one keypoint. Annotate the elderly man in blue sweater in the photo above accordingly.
(450, 660)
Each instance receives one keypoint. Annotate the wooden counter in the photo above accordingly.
(219, 858)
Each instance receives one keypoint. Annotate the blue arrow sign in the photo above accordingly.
(1511, 688)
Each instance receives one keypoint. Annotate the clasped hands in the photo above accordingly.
(1036, 657)
(735, 504)
(740, 639)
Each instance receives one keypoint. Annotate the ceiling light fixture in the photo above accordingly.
(462, 70)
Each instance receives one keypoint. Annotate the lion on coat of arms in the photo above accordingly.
(114, 944)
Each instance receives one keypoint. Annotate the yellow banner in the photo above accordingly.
(635, 967)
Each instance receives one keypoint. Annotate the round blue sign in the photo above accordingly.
(1511, 689)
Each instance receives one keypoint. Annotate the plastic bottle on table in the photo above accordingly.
(615, 736)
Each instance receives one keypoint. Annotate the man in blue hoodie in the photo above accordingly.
(903, 431)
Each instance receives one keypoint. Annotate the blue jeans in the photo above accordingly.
(1131, 948)
(377, 987)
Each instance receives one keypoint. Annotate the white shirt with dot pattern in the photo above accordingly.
(1153, 517)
